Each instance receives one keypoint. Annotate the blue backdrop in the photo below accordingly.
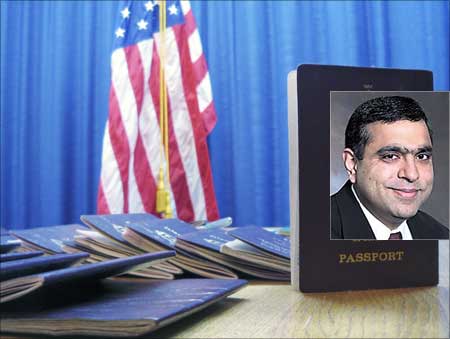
(55, 63)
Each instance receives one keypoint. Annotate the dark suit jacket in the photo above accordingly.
(349, 222)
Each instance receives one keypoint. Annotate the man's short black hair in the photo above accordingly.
(386, 109)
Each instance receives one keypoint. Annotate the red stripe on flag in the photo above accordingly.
(135, 73)
(145, 180)
(190, 83)
(200, 67)
(178, 179)
(119, 143)
(102, 204)
(209, 117)
(189, 23)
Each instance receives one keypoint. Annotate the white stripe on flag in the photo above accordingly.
(195, 46)
(182, 126)
(185, 6)
(110, 176)
(204, 93)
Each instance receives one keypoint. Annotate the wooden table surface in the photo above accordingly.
(268, 310)
(275, 310)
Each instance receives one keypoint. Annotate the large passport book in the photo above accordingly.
(318, 263)
(115, 308)
(15, 285)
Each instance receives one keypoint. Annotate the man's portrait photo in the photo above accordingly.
(389, 165)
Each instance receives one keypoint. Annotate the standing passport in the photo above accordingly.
(314, 257)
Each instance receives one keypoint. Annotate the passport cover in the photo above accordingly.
(23, 267)
(49, 239)
(19, 255)
(116, 308)
(264, 240)
(317, 262)
(209, 243)
(8, 243)
(15, 288)
(163, 231)
(113, 225)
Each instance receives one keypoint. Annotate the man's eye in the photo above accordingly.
(423, 156)
(389, 157)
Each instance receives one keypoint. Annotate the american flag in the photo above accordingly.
(132, 141)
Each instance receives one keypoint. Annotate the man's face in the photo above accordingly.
(395, 176)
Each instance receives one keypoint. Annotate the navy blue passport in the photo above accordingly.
(212, 239)
(209, 244)
(15, 288)
(113, 225)
(163, 231)
(27, 266)
(117, 308)
(49, 239)
(8, 243)
(264, 240)
(19, 255)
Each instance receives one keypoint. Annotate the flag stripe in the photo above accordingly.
(195, 46)
(209, 117)
(119, 145)
(102, 203)
(204, 93)
(179, 180)
(110, 180)
(189, 25)
(136, 81)
(200, 67)
(136, 74)
(148, 135)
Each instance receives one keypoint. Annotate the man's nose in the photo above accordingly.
(409, 170)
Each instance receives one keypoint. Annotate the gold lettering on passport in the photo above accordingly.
(351, 258)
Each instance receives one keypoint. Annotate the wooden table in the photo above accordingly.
(268, 310)
(275, 310)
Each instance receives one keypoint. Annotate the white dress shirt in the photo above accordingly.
(381, 231)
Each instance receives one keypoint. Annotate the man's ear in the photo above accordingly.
(350, 163)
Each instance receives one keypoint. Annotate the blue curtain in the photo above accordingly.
(55, 78)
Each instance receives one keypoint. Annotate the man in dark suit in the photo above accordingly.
(388, 158)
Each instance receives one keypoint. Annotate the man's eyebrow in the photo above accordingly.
(404, 150)
(425, 149)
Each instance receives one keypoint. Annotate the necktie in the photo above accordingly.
(395, 236)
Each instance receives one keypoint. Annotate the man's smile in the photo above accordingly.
(405, 193)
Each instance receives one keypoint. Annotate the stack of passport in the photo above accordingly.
(220, 253)
(55, 294)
